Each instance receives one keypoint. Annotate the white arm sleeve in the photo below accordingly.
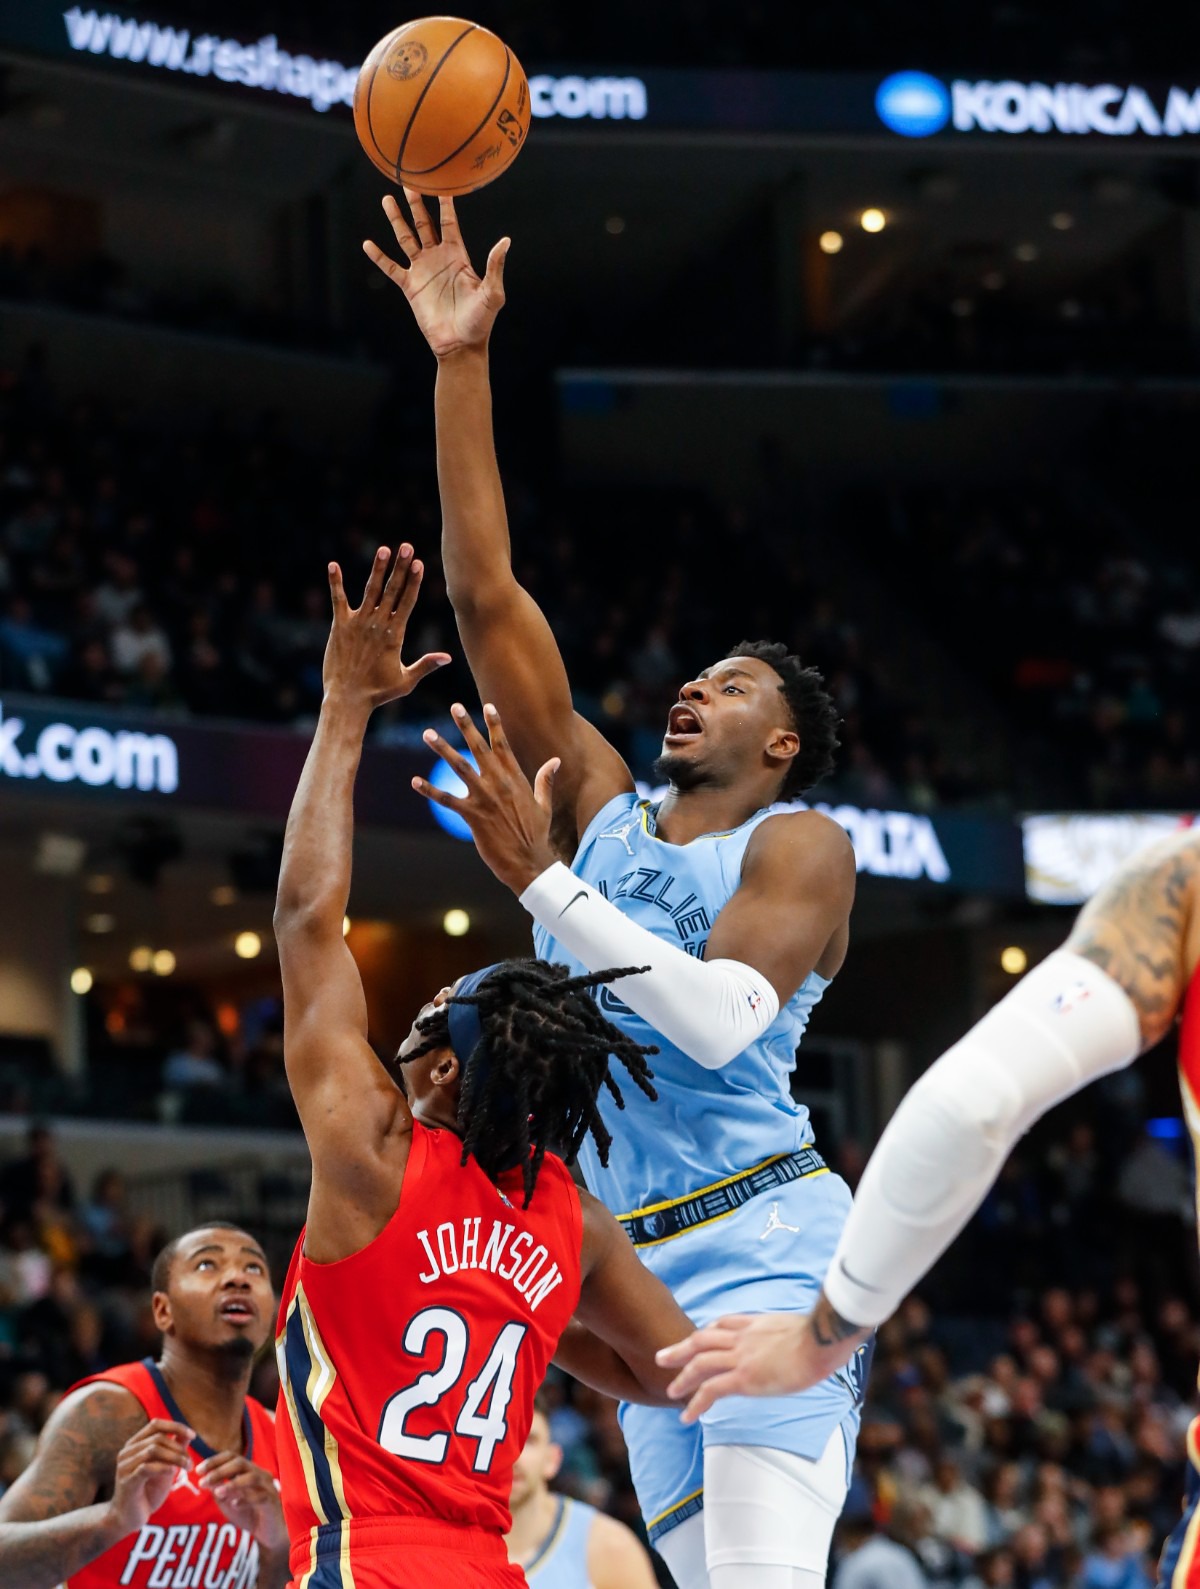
(709, 1009)
(1062, 1026)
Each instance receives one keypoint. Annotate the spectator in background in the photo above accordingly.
(957, 1512)
(106, 1227)
(39, 1177)
(871, 1560)
(1117, 1562)
(195, 1064)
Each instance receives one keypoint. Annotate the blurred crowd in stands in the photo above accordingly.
(1026, 1415)
(186, 575)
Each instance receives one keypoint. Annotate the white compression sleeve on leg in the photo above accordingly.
(683, 1551)
(1062, 1026)
(710, 1009)
(769, 1515)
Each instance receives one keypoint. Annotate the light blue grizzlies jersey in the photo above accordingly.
(560, 1562)
(707, 1124)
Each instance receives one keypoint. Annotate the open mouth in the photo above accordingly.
(236, 1312)
(683, 724)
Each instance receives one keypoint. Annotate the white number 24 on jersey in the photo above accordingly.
(427, 1390)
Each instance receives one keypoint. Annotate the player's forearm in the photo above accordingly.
(314, 878)
(272, 1567)
(42, 1555)
(475, 544)
(711, 1010)
(587, 1358)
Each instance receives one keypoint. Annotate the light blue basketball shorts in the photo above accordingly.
(769, 1256)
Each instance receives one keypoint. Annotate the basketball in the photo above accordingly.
(441, 105)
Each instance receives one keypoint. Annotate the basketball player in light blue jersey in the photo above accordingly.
(739, 912)
(562, 1543)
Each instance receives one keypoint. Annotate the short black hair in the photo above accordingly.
(532, 1083)
(160, 1273)
(811, 707)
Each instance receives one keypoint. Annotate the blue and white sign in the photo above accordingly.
(444, 777)
(914, 104)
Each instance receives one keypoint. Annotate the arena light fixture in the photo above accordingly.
(224, 894)
(81, 980)
(1026, 253)
(1014, 960)
(346, 926)
(99, 922)
(1062, 220)
(872, 220)
(456, 923)
(100, 883)
(163, 963)
(831, 242)
(247, 946)
(615, 225)
(141, 958)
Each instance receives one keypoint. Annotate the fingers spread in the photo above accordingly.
(401, 229)
(398, 578)
(405, 587)
(429, 663)
(337, 591)
(388, 266)
(448, 220)
(451, 757)
(421, 219)
(440, 797)
(465, 724)
(374, 590)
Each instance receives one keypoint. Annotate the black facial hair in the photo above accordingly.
(679, 772)
(234, 1356)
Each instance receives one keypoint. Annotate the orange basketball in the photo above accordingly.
(441, 105)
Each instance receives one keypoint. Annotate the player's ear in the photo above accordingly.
(554, 1461)
(445, 1069)
(784, 744)
(160, 1307)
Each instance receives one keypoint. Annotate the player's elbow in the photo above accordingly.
(297, 916)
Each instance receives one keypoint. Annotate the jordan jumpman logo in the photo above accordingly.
(775, 1223)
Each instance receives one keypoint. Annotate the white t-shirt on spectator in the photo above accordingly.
(880, 1564)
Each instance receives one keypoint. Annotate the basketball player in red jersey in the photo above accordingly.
(446, 1249)
(1129, 968)
(162, 1473)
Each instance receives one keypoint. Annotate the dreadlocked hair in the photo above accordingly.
(814, 715)
(533, 1082)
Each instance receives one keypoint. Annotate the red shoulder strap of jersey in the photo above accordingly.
(137, 1379)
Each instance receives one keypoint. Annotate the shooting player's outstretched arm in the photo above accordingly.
(510, 647)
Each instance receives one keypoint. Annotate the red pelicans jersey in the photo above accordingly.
(408, 1372)
(188, 1543)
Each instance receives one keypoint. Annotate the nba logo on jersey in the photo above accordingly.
(1070, 998)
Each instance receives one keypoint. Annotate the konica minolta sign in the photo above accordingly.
(917, 105)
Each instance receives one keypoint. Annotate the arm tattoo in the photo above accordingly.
(50, 1526)
(828, 1326)
(1135, 928)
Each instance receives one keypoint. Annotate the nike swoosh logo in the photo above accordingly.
(878, 1290)
(582, 894)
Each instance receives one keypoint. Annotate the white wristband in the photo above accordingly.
(711, 1010)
